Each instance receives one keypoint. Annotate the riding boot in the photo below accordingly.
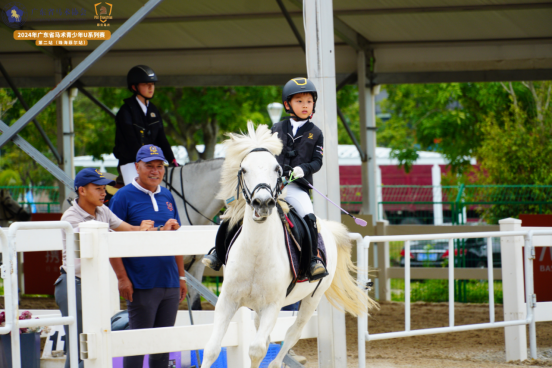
(211, 260)
(317, 270)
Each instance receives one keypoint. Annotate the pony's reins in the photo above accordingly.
(358, 221)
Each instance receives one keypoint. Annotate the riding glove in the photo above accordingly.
(298, 172)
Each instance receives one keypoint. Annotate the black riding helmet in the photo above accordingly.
(295, 86)
(140, 74)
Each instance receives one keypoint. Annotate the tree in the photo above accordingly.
(24, 170)
(201, 115)
(446, 118)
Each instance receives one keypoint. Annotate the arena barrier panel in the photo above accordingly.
(529, 255)
(100, 298)
(36, 236)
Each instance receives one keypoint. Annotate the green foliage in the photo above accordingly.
(436, 291)
(192, 116)
(11, 156)
(446, 118)
(201, 115)
(9, 177)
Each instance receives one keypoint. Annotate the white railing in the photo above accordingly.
(529, 255)
(100, 298)
(20, 241)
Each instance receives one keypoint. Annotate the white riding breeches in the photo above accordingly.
(129, 172)
(299, 199)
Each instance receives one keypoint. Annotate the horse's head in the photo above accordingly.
(11, 210)
(260, 171)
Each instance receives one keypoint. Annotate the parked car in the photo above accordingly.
(434, 253)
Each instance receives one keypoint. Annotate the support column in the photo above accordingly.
(65, 145)
(511, 250)
(437, 195)
(384, 282)
(367, 116)
(320, 51)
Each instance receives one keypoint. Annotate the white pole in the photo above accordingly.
(437, 195)
(379, 193)
(490, 275)
(362, 278)
(407, 285)
(96, 322)
(320, 52)
(451, 281)
(11, 297)
(367, 116)
(512, 284)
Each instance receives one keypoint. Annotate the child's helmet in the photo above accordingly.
(140, 74)
(295, 86)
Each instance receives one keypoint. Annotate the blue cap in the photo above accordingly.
(91, 175)
(149, 152)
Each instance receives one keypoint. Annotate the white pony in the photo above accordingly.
(257, 271)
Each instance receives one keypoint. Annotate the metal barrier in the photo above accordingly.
(529, 255)
(9, 274)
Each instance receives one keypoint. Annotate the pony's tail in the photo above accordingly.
(344, 293)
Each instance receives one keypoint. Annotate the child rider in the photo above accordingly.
(301, 155)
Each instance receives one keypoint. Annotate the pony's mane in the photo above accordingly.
(237, 146)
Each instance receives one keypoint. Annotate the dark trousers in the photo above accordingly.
(151, 308)
(61, 300)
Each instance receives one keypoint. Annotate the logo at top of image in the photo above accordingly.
(103, 11)
(14, 14)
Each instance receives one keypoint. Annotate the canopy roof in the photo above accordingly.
(249, 42)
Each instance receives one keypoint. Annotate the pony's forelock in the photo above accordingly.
(237, 146)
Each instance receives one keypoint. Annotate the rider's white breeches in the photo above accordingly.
(299, 199)
(129, 172)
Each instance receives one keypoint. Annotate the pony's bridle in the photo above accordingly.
(247, 194)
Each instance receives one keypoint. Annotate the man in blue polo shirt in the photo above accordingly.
(152, 286)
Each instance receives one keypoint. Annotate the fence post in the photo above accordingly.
(511, 249)
(238, 356)
(95, 341)
(384, 283)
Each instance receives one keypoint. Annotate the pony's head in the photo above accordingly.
(238, 148)
(260, 171)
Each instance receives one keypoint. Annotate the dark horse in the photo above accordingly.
(10, 210)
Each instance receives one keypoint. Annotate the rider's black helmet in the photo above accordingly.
(295, 86)
(140, 74)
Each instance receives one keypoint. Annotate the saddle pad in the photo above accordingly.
(295, 256)
(292, 251)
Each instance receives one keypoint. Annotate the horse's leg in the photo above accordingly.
(196, 270)
(257, 323)
(267, 319)
(308, 306)
(224, 311)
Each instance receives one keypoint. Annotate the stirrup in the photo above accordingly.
(317, 271)
(211, 260)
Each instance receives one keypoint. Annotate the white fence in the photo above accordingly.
(516, 269)
(100, 297)
(48, 238)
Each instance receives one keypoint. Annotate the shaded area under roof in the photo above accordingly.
(217, 42)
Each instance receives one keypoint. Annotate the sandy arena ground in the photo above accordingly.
(471, 349)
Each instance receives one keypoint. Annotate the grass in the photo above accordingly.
(435, 291)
